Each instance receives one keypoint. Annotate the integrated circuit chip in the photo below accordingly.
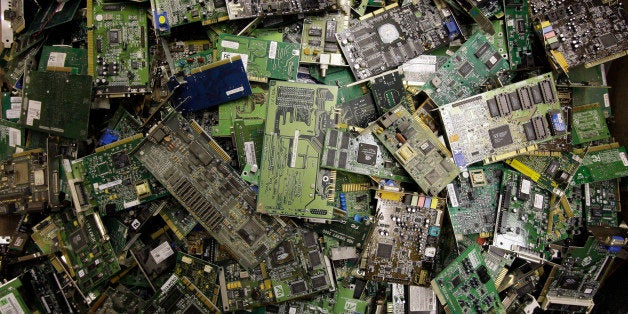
(367, 154)
(500, 136)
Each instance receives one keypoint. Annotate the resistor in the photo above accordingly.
(400, 138)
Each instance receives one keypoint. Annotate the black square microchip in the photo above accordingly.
(298, 287)
(426, 147)
(319, 282)
(384, 250)
(608, 40)
(314, 258)
(120, 160)
(456, 281)
(114, 36)
(78, 240)
(367, 154)
(500, 136)
(465, 69)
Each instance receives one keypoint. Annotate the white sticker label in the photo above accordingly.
(161, 252)
(12, 114)
(525, 186)
(208, 269)
(56, 59)
(10, 304)
(295, 147)
(244, 57)
(15, 137)
(607, 100)
(34, 111)
(131, 203)
(66, 166)
(135, 224)
(110, 184)
(81, 272)
(249, 151)
(587, 194)
(272, 50)
(230, 44)
(351, 306)
(538, 201)
(624, 161)
(278, 291)
(169, 283)
(235, 90)
(451, 192)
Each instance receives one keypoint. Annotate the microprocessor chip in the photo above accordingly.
(319, 282)
(608, 40)
(367, 154)
(426, 147)
(114, 36)
(309, 239)
(282, 254)
(500, 136)
(569, 282)
(456, 281)
(298, 287)
(120, 160)
(78, 240)
(314, 258)
(384, 250)
(465, 69)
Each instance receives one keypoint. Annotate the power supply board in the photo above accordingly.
(390, 36)
(297, 267)
(565, 29)
(465, 286)
(466, 72)
(179, 295)
(210, 85)
(360, 153)
(24, 183)
(522, 216)
(579, 277)
(504, 122)
(552, 171)
(63, 59)
(117, 181)
(602, 163)
(57, 103)
(172, 13)
(292, 183)
(318, 39)
(242, 9)
(601, 203)
(263, 59)
(403, 241)
(242, 288)
(588, 124)
(117, 44)
(185, 159)
(472, 199)
(418, 150)
(204, 275)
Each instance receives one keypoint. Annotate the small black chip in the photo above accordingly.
(333, 138)
(367, 154)
(78, 240)
(314, 258)
(492, 107)
(331, 157)
(319, 282)
(120, 160)
(608, 40)
(426, 147)
(114, 36)
(483, 274)
(456, 281)
(570, 282)
(298, 287)
(480, 52)
(500, 136)
(342, 160)
(309, 239)
(384, 250)
(492, 61)
(465, 69)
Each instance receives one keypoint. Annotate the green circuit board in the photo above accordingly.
(249, 136)
(601, 203)
(172, 13)
(57, 103)
(297, 267)
(179, 296)
(115, 180)
(252, 107)
(465, 286)
(472, 199)
(193, 61)
(204, 275)
(63, 59)
(318, 39)
(518, 33)
(551, 171)
(602, 163)
(11, 300)
(361, 154)
(245, 288)
(521, 216)
(180, 221)
(418, 150)
(292, 183)
(12, 136)
(464, 74)
(117, 48)
(588, 124)
(263, 59)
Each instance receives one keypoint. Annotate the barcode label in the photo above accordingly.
(15, 137)
(249, 151)
(272, 50)
(230, 44)
(451, 192)
(56, 59)
(34, 111)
